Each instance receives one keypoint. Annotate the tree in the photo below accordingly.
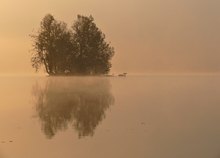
(82, 50)
(93, 53)
(52, 46)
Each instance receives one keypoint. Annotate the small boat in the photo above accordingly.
(122, 75)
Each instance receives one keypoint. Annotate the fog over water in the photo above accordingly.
(166, 107)
(96, 117)
(79, 102)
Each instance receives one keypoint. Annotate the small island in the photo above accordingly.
(81, 50)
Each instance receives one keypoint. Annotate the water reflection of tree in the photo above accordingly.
(79, 102)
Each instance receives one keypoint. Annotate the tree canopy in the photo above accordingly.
(79, 50)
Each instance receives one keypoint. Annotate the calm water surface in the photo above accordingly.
(95, 117)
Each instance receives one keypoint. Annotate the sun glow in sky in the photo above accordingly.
(148, 35)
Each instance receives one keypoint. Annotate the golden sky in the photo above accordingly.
(148, 35)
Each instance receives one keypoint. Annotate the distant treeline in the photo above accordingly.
(81, 50)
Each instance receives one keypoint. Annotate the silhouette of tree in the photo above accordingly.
(80, 103)
(93, 53)
(82, 50)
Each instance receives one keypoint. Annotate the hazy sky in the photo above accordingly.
(148, 35)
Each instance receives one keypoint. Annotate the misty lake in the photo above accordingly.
(110, 117)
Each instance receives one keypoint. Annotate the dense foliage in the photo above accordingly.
(79, 50)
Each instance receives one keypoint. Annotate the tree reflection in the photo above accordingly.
(77, 102)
